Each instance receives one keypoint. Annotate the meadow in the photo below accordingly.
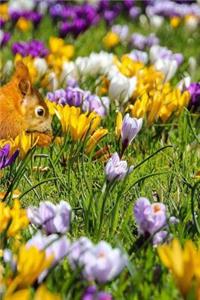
(102, 194)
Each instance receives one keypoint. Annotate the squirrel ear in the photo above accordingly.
(21, 72)
(24, 86)
(21, 69)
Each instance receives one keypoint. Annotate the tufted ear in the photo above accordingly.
(24, 86)
(21, 70)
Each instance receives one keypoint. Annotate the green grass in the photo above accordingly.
(167, 176)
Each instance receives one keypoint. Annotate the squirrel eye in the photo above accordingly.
(39, 111)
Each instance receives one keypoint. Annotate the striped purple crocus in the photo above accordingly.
(5, 158)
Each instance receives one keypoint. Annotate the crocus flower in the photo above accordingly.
(31, 262)
(52, 218)
(99, 262)
(53, 245)
(150, 218)
(94, 103)
(116, 169)
(130, 128)
(183, 263)
(78, 248)
(194, 90)
(91, 293)
(138, 55)
(138, 41)
(4, 38)
(5, 158)
(34, 48)
(134, 12)
(121, 88)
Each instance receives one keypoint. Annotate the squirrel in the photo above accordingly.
(22, 107)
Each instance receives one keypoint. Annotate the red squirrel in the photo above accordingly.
(22, 107)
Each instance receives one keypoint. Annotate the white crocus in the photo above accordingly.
(156, 21)
(41, 65)
(121, 88)
(53, 81)
(7, 68)
(69, 70)
(21, 5)
(166, 66)
(184, 83)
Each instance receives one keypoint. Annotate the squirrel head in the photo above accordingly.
(33, 107)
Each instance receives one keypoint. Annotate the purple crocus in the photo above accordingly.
(150, 218)
(74, 96)
(5, 158)
(4, 38)
(91, 293)
(98, 262)
(130, 128)
(52, 218)
(34, 48)
(94, 103)
(194, 90)
(116, 169)
(138, 41)
(134, 12)
(77, 249)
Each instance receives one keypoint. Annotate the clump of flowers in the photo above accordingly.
(59, 53)
(152, 220)
(75, 96)
(184, 264)
(158, 102)
(33, 48)
(20, 146)
(80, 125)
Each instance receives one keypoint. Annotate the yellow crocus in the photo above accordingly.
(67, 51)
(128, 67)
(23, 24)
(24, 142)
(182, 262)
(95, 138)
(118, 126)
(43, 293)
(24, 294)
(31, 263)
(111, 40)
(4, 13)
(13, 219)
(157, 100)
(175, 22)
(55, 44)
(76, 122)
(5, 216)
(19, 219)
(59, 53)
